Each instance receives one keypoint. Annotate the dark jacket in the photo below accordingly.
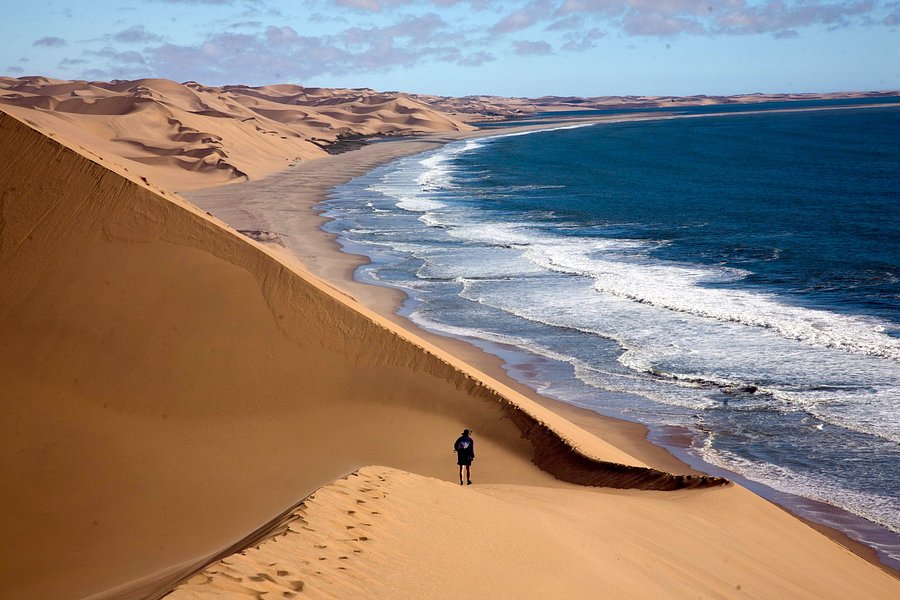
(464, 447)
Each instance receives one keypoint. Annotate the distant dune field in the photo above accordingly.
(189, 135)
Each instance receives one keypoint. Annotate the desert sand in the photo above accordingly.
(190, 135)
(384, 533)
(185, 405)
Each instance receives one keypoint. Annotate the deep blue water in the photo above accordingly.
(737, 276)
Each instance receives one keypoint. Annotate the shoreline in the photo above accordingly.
(319, 253)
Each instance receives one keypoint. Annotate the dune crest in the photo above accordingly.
(171, 385)
(188, 135)
(384, 533)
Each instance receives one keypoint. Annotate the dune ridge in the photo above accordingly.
(190, 135)
(380, 532)
(149, 346)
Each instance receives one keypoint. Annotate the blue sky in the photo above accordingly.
(459, 47)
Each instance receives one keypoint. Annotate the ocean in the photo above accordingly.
(734, 277)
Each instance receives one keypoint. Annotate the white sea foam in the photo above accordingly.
(687, 348)
(883, 510)
(418, 203)
(437, 173)
(694, 289)
(686, 395)
(537, 131)
(871, 409)
(488, 262)
(492, 233)
(686, 323)
(683, 288)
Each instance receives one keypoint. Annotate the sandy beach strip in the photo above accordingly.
(286, 204)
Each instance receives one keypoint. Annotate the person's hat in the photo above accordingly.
(465, 432)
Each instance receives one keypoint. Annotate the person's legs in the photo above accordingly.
(468, 476)
(460, 475)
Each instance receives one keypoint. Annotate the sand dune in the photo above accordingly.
(184, 136)
(367, 536)
(171, 387)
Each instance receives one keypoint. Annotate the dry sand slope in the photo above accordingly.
(189, 135)
(383, 533)
(170, 387)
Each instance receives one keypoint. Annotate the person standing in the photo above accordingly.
(465, 454)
